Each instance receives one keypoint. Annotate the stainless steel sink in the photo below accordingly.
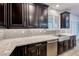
(60, 35)
(63, 37)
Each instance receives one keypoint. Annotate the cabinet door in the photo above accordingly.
(25, 13)
(74, 41)
(32, 50)
(16, 18)
(62, 21)
(65, 45)
(32, 15)
(3, 12)
(43, 49)
(43, 16)
(65, 20)
(60, 47)
(19, 51)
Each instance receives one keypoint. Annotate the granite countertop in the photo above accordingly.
(68, 34)
(64, 36)
(8, 45)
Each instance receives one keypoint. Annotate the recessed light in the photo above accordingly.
(57, 5)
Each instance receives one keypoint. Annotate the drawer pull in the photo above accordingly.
(38, 44)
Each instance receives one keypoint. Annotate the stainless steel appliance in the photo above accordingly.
(52, 48)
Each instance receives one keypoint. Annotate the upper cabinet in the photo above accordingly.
(65, 20)
(32, 16)
(43, 16)
(3, 10)
(24, 15)
(1, 14)
(16, 19)
(37, 16)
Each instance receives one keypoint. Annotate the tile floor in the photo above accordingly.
(72, 52)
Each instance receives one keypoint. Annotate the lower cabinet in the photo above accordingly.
(66, 44)
(60, 47)
(72, 42)
(19, 51)
(38, 49)
(43, 49)
(32, 50)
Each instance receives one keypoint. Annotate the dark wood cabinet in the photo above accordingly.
(16, 15)
(43, 49)
(3, 15)
(37, 16)
(19, 51)
(24, 15)
(60, 47)
(66, 44)
(73, 40)
(32, 16)
(43, 16)
(65, 19)
(32, 50)
(37, 49)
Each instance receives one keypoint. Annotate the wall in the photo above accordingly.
(74, 21)
(74, 26)
(52, 13)
(53, 18)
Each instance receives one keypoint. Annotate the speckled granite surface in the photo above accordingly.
(8, 45)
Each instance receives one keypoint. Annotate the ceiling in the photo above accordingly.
(71, 7)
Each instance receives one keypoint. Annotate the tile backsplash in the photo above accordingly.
(17, 33)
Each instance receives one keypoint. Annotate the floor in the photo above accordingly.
(72, 52)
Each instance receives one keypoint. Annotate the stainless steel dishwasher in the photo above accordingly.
(52, 48)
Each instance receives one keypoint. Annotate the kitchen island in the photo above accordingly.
(41, 45)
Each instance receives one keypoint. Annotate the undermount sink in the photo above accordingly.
(60, 35)
(63, 37)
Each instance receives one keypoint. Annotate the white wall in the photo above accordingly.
(53, 18)
(52, 13)
(74, 20)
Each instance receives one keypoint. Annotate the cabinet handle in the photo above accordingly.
(38, 44)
